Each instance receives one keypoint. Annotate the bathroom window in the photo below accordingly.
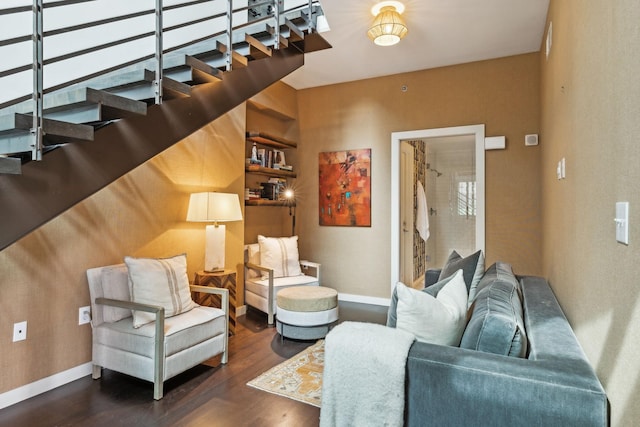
(467, 196)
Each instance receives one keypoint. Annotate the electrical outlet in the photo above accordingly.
(20, 331)
(84, 315)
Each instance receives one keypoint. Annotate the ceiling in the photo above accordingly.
(441, 33)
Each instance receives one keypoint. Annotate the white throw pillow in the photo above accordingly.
(281, 255)
(437, 320)
(159, 281)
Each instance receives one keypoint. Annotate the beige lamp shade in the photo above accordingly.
(388, 26)
(214, 207)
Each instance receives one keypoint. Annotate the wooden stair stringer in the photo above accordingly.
(69, 175)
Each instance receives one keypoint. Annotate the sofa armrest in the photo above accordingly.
(271, 292)
(309, 265)
(131, 305)
(455, 386)
(224, 305)
(158, 371)
(224, 294)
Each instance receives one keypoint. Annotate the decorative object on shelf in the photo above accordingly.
(216, 208)
(254, 155)
(279, 159)
(388, 26)
(345, 188)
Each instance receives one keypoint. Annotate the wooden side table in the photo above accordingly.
(220, 279)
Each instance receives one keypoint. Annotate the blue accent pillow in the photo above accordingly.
(468, 265)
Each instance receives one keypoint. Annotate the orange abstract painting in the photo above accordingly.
(345, 188)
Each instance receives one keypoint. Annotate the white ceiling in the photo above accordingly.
(441, 33)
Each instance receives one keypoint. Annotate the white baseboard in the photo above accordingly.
(27, 391)
(241, 310)
(364, 299)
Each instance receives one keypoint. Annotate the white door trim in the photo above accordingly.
(396, 138)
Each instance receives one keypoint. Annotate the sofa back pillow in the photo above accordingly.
(472, 268)
(497, 325)
(498, 270)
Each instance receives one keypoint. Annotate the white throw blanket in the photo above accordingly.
(364, 375)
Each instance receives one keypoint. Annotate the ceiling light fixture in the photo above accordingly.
(388, 26)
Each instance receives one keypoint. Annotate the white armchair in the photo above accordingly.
(271, 265)
(157, 350)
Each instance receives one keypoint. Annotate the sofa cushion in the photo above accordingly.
(472, 268)
(281, 255)
(437, 320)
(161, 282)
(392, 316)
(498, 270)
(496, 324)
(181, 332)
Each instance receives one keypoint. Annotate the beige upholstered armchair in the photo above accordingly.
(271, 265)
(153, 341)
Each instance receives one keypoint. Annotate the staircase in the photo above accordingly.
(69, 139)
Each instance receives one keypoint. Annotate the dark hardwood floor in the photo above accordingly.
(207, 395)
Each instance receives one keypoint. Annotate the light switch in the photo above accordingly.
(622, 222)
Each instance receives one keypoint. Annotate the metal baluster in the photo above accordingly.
(158, 80)
(38, 84)
(276, 12)
(310, 16)
(229, 34)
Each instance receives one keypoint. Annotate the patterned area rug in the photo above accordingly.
(299, 378)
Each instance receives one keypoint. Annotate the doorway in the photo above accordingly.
(449, 163)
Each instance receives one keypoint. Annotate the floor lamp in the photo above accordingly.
(216, 208)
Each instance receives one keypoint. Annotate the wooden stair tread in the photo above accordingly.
(257, 50)
(266, 138)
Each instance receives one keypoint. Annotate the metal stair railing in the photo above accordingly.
(252, 17)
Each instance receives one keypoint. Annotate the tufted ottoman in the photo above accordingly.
(306, 312)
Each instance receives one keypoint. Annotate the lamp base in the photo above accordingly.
(214, 249)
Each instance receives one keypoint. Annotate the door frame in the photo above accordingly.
(396, 139)
(406, 201)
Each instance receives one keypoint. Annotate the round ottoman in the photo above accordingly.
(306, 312)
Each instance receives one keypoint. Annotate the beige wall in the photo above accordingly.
(42, 276)
(503, 94)
(591, 116)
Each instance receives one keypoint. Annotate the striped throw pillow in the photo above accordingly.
(159, 281)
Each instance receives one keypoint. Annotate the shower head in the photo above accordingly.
(429, 168)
